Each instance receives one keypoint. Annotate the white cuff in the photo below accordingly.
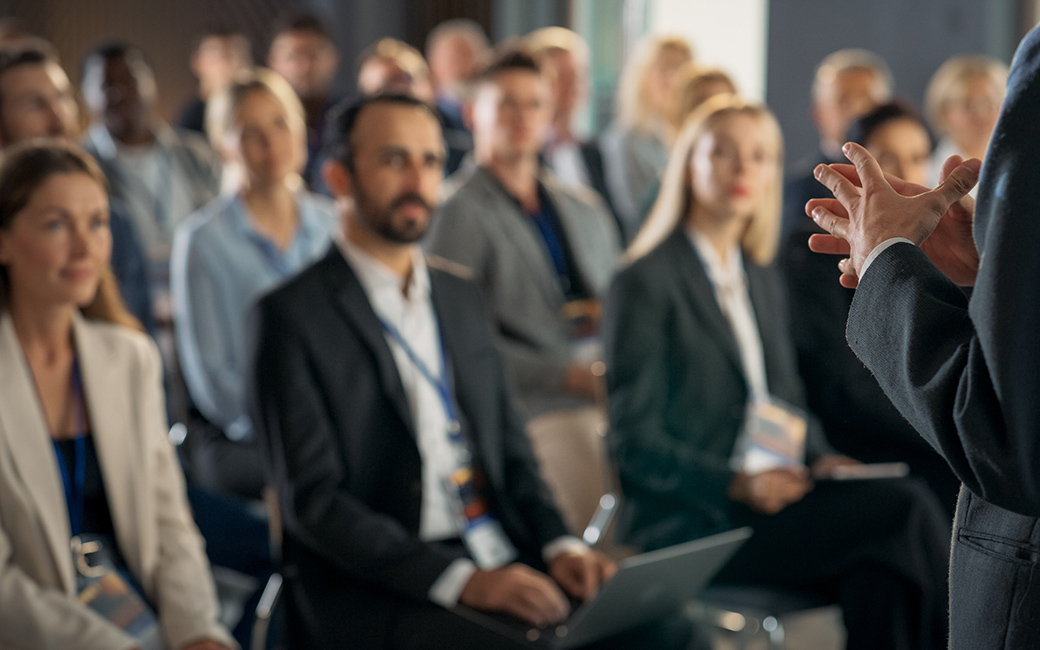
(448, 587)
(561, 545)
(879, 249)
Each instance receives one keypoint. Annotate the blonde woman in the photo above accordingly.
(698, 352)
(83, 444)
(962, 104)
(635, 147)
(236, 248)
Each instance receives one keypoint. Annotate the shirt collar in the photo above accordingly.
(721, 273)
(311, 223)
(107, 148)
(376, 278)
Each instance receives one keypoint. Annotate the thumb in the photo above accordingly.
(957, 184)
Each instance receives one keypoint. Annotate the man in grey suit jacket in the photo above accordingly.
(541, 253)
(966, 373)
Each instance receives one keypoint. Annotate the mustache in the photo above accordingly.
(411, 198)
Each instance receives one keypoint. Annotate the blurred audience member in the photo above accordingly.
(37, 100)
(394, 67)
(161, 174)
(847, 85)
(856, 415)
(235, 249)
(219, 54)
(541, 253)
(456, 51)
(698, 86)
(82, 407)
(304, 52)
(392, 514)
(635, 147)
(14, 32)
(564, 58)
(701, 373)
(962, 103)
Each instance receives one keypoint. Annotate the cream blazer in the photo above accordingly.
(157, 537)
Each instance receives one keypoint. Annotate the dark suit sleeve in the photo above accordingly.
(635, 329)
(970, 391)
(298, 438)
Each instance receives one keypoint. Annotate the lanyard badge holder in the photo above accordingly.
(773, 436)
(482, 533)
(100, 584)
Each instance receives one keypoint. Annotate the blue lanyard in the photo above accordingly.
(441, 384)
(75, 485)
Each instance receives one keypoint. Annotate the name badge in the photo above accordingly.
(481, 532)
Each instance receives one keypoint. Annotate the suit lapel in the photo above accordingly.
(453, 323)
(352, 301)
(29, 441)
(702, 294)
(521, 233)
(764, 303)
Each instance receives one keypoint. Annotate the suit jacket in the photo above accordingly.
(481, 227)
(334, 422)
(678, 393)
(153, 526)
(967, 375)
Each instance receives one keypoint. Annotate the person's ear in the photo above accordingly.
(337, 179)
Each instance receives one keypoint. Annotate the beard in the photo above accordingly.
(387, 222)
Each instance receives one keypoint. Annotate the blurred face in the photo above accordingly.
(217, 60)
(57, 247)
(308, 61)
(850, 95)
(732, 166)
(119, 95)
(453, 59)
(971, 114)
(569, 79)
(382, 75)
(36, 101)
(902, 148)
(512, 114)
(264, 140)
(662, 81)
(398, 169)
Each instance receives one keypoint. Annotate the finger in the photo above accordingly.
(870, 175)
(840, 187)
(590, 577)
(834, 205)
(829, 244)
(847, 267)
(949, 165)
(832, 223)
(607, 569)
(848, 281)
(955, 186)
(848, 171)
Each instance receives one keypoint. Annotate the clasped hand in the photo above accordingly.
(870, 207)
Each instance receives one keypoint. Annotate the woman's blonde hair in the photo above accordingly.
(633, 108)
(953, 75)
(695, 86)
(26, 166)
(222, 108)
(762, 236)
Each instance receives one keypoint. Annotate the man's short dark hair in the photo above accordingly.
(343, 118)
(861, 130)
(219, 30)
(116, 50)
(33, 53)
(302, 22)
(509, 61)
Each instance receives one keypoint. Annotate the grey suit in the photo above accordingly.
(484, 228)
(967, 376)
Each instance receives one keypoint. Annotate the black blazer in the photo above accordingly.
(340, 447)
(967, 375)
(678, 393)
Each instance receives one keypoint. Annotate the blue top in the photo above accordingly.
(219, 267)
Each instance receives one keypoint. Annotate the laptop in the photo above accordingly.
(645, 587)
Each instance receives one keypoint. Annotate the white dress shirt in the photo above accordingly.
(410, 310)
(730, 284)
